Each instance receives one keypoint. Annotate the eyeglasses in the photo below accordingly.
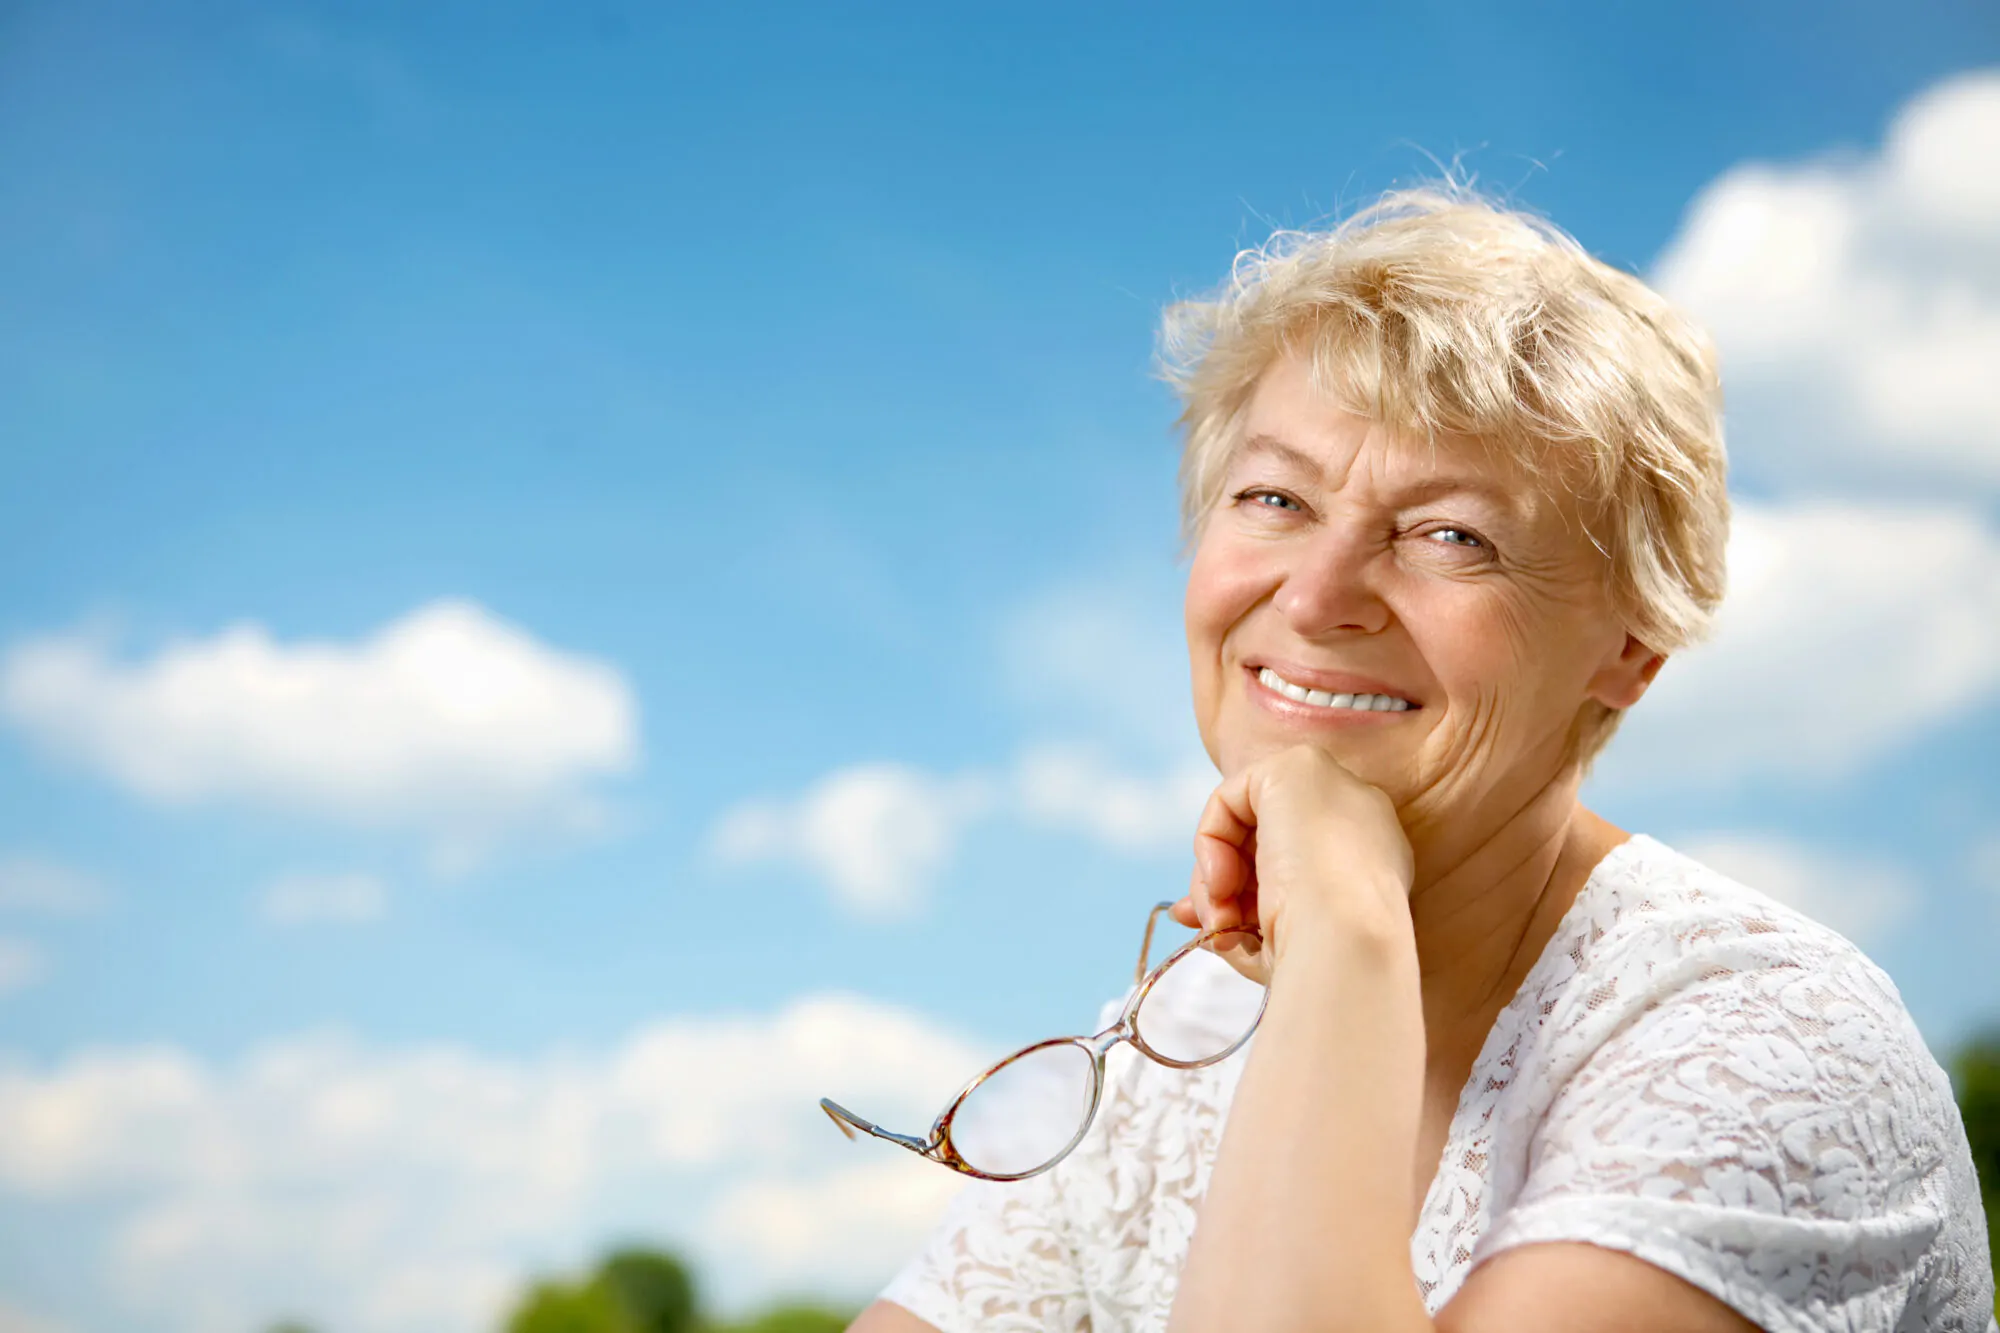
(1028, 1112)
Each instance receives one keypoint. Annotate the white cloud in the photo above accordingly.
(1849, 632)
(1073, 788)
(877, 833)
(387, 1190)
(1856, 300)
(448, 720)
(1103, 663)
(307, 899)
(818, 1233)
(21, 965)
(39, 885)
(1861, 898)
(1098, 661)
(881, 834)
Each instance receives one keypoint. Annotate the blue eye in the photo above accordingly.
(1268, 499)
(1456, 537)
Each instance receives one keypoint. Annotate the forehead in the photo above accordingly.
(1293, 425)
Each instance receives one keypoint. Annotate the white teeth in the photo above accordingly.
(1360, 703)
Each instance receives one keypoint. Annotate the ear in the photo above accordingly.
(1622, 680)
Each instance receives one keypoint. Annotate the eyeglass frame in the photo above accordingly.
(938, 1146)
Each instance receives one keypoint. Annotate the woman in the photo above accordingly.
(1456, 492)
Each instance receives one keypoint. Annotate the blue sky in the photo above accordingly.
(774, 387)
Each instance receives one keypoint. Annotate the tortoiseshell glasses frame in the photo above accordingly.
(937, 1145)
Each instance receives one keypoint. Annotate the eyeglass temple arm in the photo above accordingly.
(848, 1122)
(1146, 945)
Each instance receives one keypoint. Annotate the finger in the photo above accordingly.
(1229, 815)
(1246, 904)
(1248, 957)
(1221, 876)
(1224, 850)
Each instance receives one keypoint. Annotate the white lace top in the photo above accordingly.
(1691, 1073)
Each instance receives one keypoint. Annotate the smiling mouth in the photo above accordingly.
(1354, 703)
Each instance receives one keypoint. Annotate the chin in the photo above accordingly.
(1390, 772)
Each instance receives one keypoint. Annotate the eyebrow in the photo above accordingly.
(1271, 444)
(1417, 492)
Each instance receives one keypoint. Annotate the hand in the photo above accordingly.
(1292, 842)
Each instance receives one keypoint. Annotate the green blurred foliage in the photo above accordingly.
(564, 1307)
(654, 1292)
(792, 1319)
(638, 1290)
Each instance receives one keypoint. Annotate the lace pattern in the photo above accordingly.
(1690, 1073)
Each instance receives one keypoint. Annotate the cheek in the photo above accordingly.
(1509, 654)
(1478, 645)
(1224, 582)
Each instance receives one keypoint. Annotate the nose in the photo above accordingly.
(1330, 586)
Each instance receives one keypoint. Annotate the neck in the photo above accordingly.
(1487, 898)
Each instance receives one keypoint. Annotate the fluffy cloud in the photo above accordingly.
(305, 899)
(814, 1233)
(448, 720)
(384, 1190)
(1856, 300)
(1849, 631)
(1073, 788)
(1097, 661)
(39, 885)
(1861, 898)
(880, 834)
(876, 833)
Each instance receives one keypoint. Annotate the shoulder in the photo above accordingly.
(1671, 970)
(1647, 892)
(1717, 1077)
(1654, 925)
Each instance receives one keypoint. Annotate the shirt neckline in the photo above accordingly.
(1559, 945)
(1559, 942)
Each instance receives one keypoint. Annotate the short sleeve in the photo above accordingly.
(1774, 1131)
(998, 1261)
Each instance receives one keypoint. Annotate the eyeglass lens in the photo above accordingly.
(1200, 1008)
(1030, 1110)
(1026, 1112)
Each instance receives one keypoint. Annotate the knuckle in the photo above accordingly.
(1300, 759)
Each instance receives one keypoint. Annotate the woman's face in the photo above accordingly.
(1343, 561)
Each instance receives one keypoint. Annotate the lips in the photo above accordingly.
(1353, 703)
(1330, 684)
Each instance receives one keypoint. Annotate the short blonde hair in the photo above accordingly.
(1439, 312)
